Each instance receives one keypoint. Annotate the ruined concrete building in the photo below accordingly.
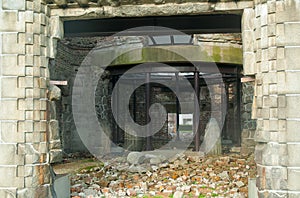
(46, 44)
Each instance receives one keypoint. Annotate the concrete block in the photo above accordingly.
(280, 53)
(280, 35)
(272, 65)
(248, 40)
(10, 157)
(292, 194)
(54, 130)
(273, 88)
(25, 82)
(29, 5)
(293, 133)
(264, 37)
(9, 110)
(26, 126)
(10, 134)
(29, 16)
(272, 154)
(273, 113)
(292, 110)
(293, 179)
(10, 66)
(40, 191)
(270, 101)
(9, 177)
(273, 194)
(9, 88)
(55, 155)
(37, 6)
(9, 22)
(257, 11)
(271, 6)
(24, 171)
(272, 40)
(13, 5)
(292, 34)
(56, 144)
(293, 155)
(8, 193)
(281, 82)
(270, 78)
(258, 55)
(292, 58)
(11, 45)
(272, 30)
(279, 6)
(272, 178)
(25, 104)
(265, 90)
(249, 63)
(248, 19)
(290, 13)
(272, 53)
(264, 14)
(293, 82)
(56, 28)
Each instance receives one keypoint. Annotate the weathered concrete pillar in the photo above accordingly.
(24, 158)
(272, 52)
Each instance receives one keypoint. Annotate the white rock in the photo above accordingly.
(135, 157)
(178, 194)
(240, 184)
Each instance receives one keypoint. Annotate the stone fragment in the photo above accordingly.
(240, 184)
(135, 157)
(54, 93)
(178, 194)
(212, 138)
(137, 169)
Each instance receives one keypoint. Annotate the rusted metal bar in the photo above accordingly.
(196, 113)
(238, 108)
(177, 107)
(57, 82)
(134, 109)
(117, 101)
(148, 98)
(247, 79)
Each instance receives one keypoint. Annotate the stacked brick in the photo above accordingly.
(271, 53)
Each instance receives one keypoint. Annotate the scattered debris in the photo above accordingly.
(181, 176)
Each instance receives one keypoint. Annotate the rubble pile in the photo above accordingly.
(155, 176)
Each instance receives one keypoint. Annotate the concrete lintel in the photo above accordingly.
(74, 11)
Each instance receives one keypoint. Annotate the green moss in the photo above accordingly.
(216, 54)
(221, 54)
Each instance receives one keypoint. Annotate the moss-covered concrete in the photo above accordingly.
(181, 53)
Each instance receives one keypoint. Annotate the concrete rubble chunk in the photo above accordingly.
(54, 93)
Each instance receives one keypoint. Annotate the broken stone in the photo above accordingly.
(240, 184)
(54, 93)
(137, 169)
(212, 138)
(135, 157)
(178, 194)
(224, 175)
